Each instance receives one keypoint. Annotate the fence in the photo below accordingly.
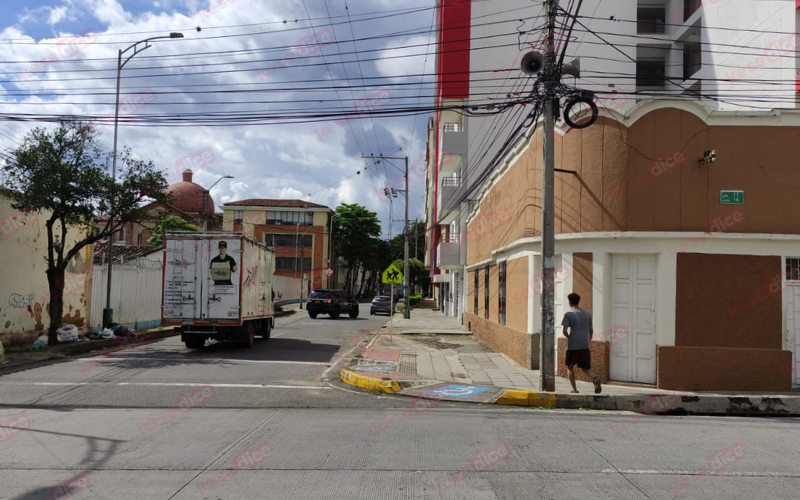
(135, 294)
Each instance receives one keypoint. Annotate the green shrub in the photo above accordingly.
(414, 299)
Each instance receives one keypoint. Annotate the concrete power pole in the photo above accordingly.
(406, 277)
(547, 379)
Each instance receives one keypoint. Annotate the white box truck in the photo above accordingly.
(217, 286)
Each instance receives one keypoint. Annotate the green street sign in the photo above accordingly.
(731, 197)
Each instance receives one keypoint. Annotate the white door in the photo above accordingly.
(792, 295)
(633, 302)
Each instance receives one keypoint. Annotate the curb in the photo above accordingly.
(533, 399)
(693, 404)
(350, 377)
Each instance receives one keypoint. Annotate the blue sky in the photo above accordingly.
(287, 160)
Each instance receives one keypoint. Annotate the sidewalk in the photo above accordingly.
(431, 355)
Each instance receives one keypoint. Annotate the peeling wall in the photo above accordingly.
(24, 292)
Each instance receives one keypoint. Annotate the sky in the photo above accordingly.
(243, 88)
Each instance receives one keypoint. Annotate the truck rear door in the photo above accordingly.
(222, 272)
(182, 280)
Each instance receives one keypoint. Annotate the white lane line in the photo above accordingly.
(202, 360)
(166, 384)
(695, 473)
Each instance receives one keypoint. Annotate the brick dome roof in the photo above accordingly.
(188, 196)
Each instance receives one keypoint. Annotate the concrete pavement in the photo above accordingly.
(263, 423)
(432, 350)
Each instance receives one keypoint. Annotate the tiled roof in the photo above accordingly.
(259, 202)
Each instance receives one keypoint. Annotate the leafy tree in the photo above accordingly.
(166, 224)
(355, 228)
(65, 175)
(416, 268)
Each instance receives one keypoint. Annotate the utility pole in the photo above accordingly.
(406, 277)
(547, 380)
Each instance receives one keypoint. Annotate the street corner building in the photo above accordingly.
(674, 216)
(704, 285)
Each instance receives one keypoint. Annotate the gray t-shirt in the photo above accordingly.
(579, 322)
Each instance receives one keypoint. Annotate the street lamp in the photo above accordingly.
(206, 194)
(108, 313)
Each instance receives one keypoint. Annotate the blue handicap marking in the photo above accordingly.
(455, 391)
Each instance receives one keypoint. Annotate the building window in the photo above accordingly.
(651, 73)
(486, 293)
(453, 127)
(238, 215)
(139, 240)
(651, 19)
(501, 293)
(690, 7)
(121, 234)
(692, 59)
(288, 240)
(290, 218)
(477, 289)
(792, 269)
(290, 264)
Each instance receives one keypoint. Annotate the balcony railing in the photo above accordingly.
(451, 181)
(451, 238)
(453, 127)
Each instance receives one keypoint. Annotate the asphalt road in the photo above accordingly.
(268, 425)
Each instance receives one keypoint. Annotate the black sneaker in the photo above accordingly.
(597, 388)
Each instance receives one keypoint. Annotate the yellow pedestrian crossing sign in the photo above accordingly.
(392, 276)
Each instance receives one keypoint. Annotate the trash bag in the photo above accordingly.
(40, 342)
(107, 334)
(67, 333)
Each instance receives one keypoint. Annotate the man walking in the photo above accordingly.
(579, 331)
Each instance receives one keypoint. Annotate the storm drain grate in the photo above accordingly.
(408, 363)
(371, 365)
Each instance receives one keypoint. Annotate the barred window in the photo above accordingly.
(792, 269)
(486, 293)
(501, 293)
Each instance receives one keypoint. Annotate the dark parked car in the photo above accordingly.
(381, 303)
(331, 302)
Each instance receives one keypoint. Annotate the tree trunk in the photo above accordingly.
(363, 281)
(55, 280)
(347, 279)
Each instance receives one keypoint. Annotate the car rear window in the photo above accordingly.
(320, 295)
(382, 299)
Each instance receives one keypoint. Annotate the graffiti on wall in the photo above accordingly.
(20, 301)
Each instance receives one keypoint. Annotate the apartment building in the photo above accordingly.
(673, 210)
(297, 229)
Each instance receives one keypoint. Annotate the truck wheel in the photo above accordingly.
(312, 315)
(250, 334)
(335, 314)
(267, 330)
(354, 314)
(197, 343)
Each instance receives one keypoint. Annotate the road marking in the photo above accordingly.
(211, 360)
(167, 384)
(695, 473)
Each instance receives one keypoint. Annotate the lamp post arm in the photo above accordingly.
(137, 50)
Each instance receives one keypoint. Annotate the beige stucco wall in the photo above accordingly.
(517, 288)
(24, 292)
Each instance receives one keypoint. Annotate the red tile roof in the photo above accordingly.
(259, 202)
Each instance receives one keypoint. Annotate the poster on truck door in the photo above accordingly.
(223, 278)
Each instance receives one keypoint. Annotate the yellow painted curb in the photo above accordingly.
(369, 383)
(528, 398)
